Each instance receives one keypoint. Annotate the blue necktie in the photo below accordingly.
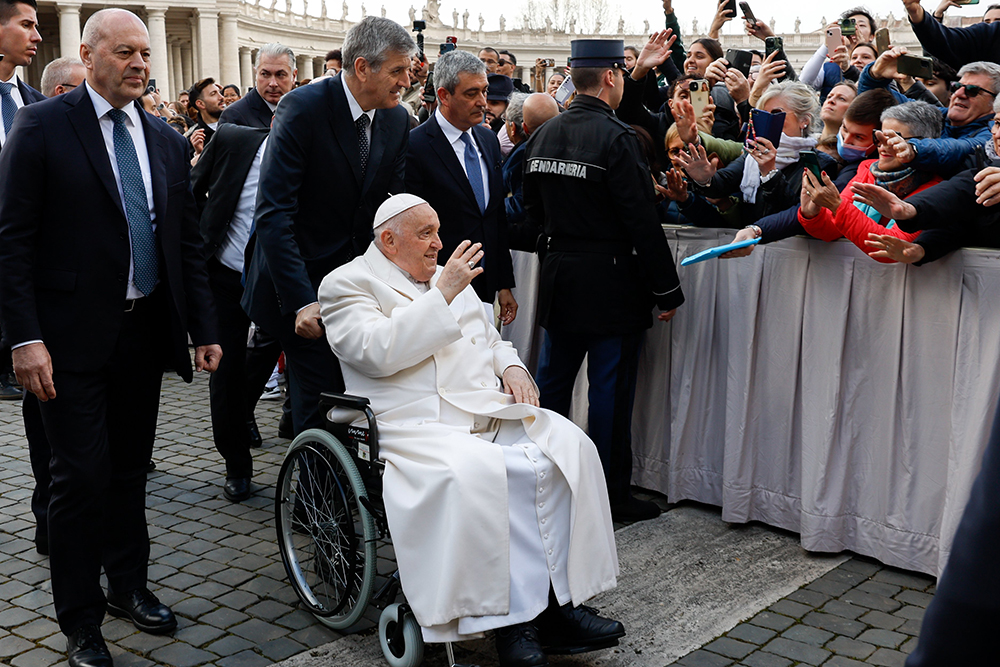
(474, 171)
(8, 107)
(144, 259)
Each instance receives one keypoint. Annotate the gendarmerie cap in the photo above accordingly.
(395, 205)
(597, 53)
(500, 87)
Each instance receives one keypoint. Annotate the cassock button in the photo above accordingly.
(541, 506)
(550, 552)
(541, 489)
(473, 341)
(483, 383)
(553, 568)
(542, 522)
(546, 536)
(541, 475)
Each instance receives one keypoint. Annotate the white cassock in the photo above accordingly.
(489, 501)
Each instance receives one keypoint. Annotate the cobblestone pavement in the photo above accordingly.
(861, 613)
(217, 565)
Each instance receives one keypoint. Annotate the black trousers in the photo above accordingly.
(261, 358)
(228, 386)
(101, 428)
(312, 369)
(612, 365)
(961, 619)
(40, 454)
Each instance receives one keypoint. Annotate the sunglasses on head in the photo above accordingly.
(970, 89)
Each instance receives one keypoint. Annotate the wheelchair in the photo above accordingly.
(330, 519)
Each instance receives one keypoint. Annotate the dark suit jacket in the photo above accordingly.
(250, 110)
(28, 94)
(221, 171)
(314, 209)
(64, 258)
(434, 173)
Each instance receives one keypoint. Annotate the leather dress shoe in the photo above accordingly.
(9, 392)
(144, 610)
(518, 646)
(42, 540)
(568, 629)
(86, 648)
(255, 439)
(285, 427)
(237, 489)
(634, 509)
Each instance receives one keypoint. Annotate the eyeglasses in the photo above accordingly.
(503, 63)
(970, 90)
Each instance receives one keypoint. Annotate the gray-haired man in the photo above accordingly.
(275, 76)
(341, 140)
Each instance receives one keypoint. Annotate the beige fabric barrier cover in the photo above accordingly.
(814, 389)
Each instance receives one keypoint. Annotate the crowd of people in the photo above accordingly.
(209, 217)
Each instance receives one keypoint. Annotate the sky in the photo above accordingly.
(784, 12)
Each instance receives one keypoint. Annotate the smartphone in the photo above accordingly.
(700, 97)
(730, 8)
(966, 2)
(429, 90)
(772, 44)
(848, 27)
(565, 91)
(548, 62)
(811, 161)
(882, 40)
(916, 66)
(151, 88)
(740, 60)
(747, 14)
(445, 48)
(833, 39)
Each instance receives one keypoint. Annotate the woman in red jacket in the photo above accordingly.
(827, 214)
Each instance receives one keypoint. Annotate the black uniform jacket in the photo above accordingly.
(607, 262)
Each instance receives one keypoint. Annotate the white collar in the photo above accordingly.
(102, 106)
(356, 110)
(451, 133)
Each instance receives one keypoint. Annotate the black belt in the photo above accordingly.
(602, 247)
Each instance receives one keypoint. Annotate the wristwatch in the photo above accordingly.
(757, 231)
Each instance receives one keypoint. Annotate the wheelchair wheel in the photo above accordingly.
(409, 650)
(326, 537)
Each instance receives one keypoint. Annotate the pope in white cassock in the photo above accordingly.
(498, 509)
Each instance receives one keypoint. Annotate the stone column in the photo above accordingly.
(69, 29)
(246, 69)
(304, 66)
(187, 65)
(319, 66)
(195, 49)
(176, 68)
(208, 43)
(159, 65)
(229, 49)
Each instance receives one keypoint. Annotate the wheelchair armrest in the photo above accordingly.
(358, 403)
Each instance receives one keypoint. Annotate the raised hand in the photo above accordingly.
(722, 16)
(460, 269)
(889, 205)
(807, 205)
(686, 121)
(771, 69)
(654, 53)
(697, 165)
(885, 66)
(737, 85)
(988, 186)
(764, 154)
(677, 189)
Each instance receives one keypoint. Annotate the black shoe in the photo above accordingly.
(12, 381)
(634, 509)
(518, 646)
(9, 392)
(237, 489)
(86, 648)
(151, 467)
(285, 427)
(145, 611)
(255, 439)
(42, 540)
(567, 629)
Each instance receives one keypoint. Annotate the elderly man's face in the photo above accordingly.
(382, 88)
(965, 108)
(275, 77)
(417, 245)
(118, 64)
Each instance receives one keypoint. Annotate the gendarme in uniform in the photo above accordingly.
(607, 262)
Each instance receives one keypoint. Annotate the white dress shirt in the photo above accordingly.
(454, 137)
(133, 123)
(15, 94)
(356, 110)
(231, 251)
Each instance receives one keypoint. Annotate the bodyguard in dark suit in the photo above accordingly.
(225, 186)
(337, 150)
(454, 164)
(96, 298)
(275, 76)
